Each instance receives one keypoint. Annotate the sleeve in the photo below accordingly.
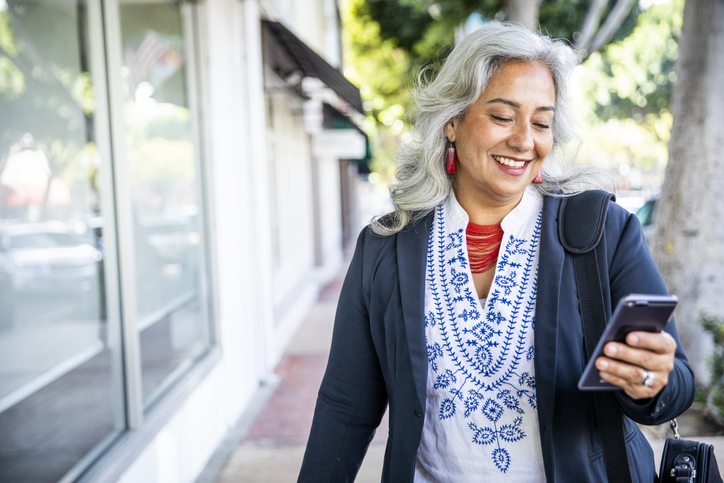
(632, 270)
(352, 398)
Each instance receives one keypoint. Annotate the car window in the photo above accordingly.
(645, 214)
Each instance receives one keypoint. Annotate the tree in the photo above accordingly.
(688, 228)
(44, 89)
(588, 24)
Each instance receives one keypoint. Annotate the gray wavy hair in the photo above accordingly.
(422, 178)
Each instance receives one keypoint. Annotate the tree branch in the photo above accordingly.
(590, 25)
(37, 59)
(524, 12)
(613, 23)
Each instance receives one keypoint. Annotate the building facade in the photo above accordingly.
(177, 181)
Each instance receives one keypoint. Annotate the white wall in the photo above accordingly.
(330, 216)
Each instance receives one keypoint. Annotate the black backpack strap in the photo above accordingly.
(581, 219)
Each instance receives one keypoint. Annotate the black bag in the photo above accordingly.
(581, 219)
(685, 461)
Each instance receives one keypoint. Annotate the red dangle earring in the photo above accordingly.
(538, 177)
(451, 155)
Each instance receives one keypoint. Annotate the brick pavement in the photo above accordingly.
(287, 417)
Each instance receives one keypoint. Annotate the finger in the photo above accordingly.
(660, 342)
(635, 391)
(645, 358)
(634, 374)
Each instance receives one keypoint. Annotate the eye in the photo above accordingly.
(542, 126)
(499, 118)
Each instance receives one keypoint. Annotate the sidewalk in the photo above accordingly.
(270, 448)
(273, 448)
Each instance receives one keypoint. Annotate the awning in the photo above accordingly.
(338, 133)
(286, 55)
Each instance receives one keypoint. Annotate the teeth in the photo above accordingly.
(509, 162)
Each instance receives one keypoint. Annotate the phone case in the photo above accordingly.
(635, 312)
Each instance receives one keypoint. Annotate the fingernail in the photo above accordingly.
(611, 350)
(602, 364)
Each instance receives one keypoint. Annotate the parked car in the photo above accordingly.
(51, 266)
(645, 214)
(50, 257)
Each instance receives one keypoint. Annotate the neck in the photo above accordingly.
(483, 211)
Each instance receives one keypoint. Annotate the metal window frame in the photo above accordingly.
(102, 132)
(194, 81)
(202, 133)
(123, 219)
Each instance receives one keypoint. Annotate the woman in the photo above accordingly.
(460, 311)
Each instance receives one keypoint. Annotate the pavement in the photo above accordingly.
(267, 445)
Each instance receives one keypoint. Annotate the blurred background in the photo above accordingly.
(182, 182)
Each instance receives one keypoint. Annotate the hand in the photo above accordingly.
(624, 364)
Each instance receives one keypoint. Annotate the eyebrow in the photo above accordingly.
(498, 100)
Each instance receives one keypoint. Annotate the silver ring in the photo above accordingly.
(648, 379)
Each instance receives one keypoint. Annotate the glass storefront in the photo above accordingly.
(162, 154)
(63, 368)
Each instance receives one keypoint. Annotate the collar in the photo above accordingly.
(528, 208)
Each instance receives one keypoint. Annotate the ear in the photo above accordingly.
(450, 130)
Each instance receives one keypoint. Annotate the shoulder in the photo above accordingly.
(376, 246)
(378, 258)
(419, 226)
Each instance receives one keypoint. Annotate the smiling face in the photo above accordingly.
(504, 138)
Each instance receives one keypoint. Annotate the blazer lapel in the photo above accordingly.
(411, 256)
(550, 271)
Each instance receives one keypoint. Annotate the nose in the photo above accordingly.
(521, 139)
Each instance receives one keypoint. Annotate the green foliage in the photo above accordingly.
(408, 21)
(626, 94)
(403, 20)
(633, 77)
(714, 325)
(43, 89)
(382, 71)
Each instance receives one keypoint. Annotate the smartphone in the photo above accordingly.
(635, 312)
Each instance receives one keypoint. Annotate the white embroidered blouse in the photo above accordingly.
(481, 422)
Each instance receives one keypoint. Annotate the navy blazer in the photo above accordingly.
(379, 357)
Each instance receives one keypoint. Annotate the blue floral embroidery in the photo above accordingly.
(482, 351)
(447, 409)
(433, 352)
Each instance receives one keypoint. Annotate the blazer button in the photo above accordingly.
(417, 413)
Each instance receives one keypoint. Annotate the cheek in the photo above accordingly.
(545, 146)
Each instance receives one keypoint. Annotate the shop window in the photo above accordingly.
(59, 361)
(67, 390)
(162, 152)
